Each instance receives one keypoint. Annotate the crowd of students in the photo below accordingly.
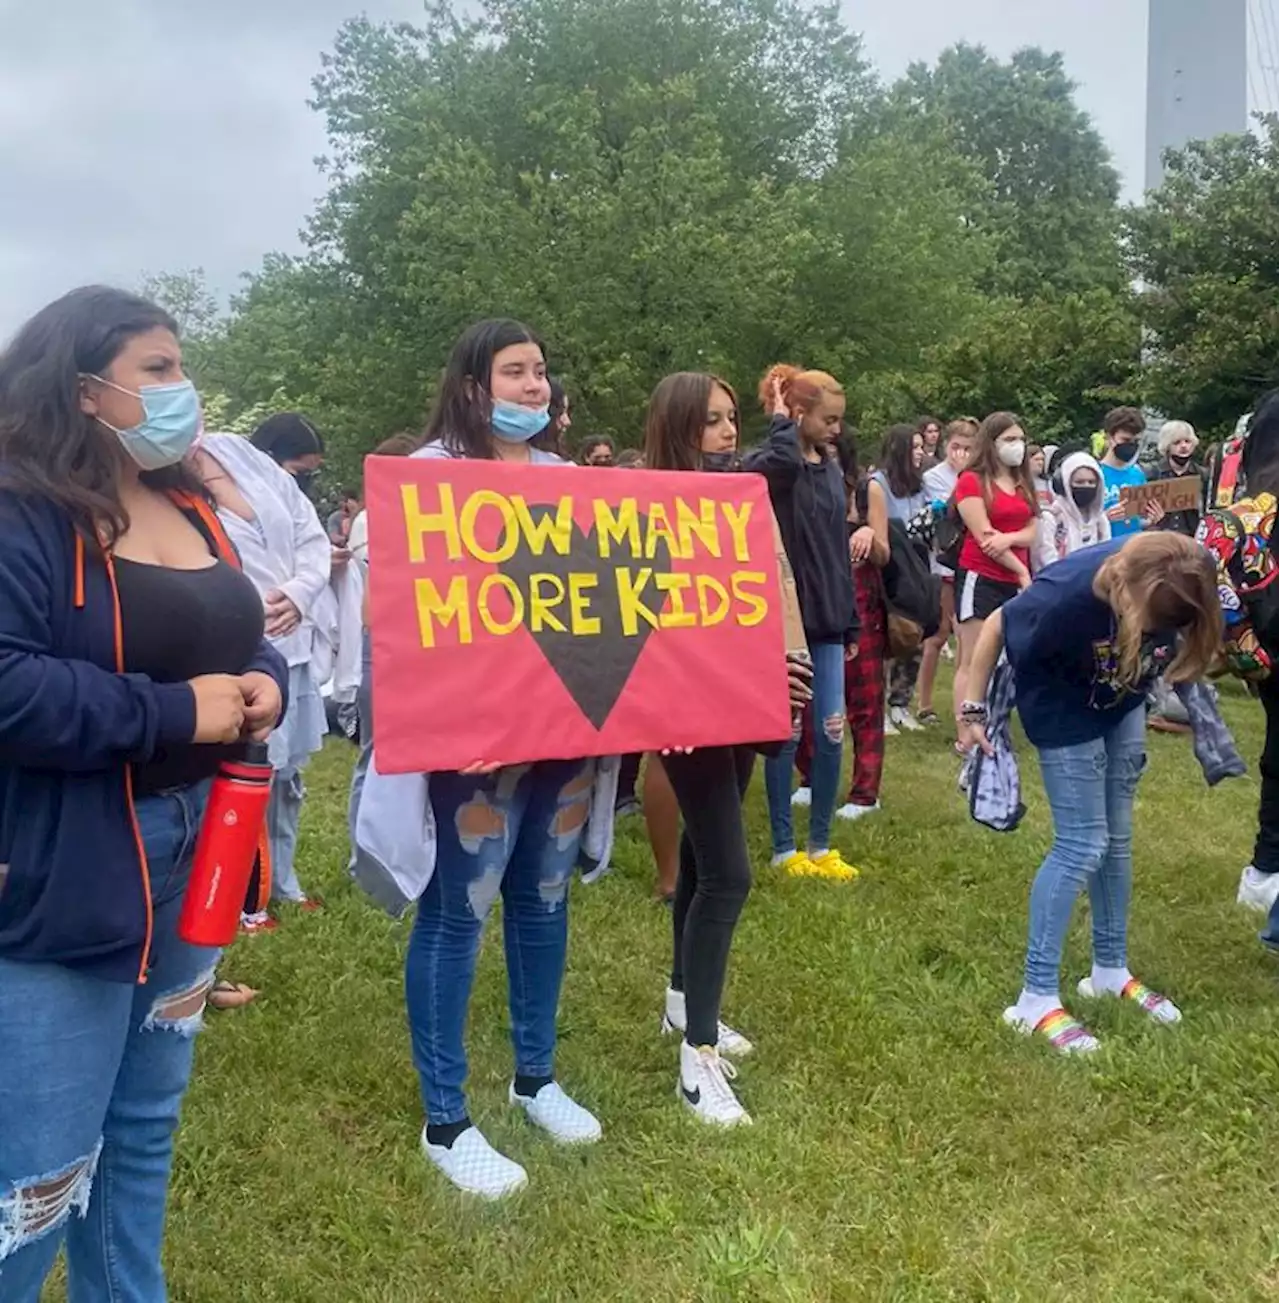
(169, 593)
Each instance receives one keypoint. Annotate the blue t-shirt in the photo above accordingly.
(1060, 640)
(1115, 478)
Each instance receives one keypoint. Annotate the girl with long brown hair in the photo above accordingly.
(692, 424)
(1085, 642)
(996, 499)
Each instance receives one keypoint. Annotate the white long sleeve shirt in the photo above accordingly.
(284, 547)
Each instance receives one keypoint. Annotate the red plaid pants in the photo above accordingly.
(863, 694)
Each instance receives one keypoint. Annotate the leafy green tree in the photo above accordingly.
(1051, 200)
(1204, 246)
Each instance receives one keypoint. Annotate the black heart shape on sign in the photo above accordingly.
(593, 667)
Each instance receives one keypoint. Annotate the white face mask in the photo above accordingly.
(1012, 453)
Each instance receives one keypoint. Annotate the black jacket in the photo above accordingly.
(809, 501)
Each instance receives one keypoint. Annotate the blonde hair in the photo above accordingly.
(1172, 431)
(801, 390)
(1163, 582)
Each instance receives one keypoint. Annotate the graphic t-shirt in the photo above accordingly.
(1115, 478)
(1061, 642)
(1008, 513)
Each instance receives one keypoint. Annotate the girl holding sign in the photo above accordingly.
(692, 424)
(511, 831)
(806, 488)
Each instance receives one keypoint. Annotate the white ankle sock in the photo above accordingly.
(1109, 979)
(1030, 1007)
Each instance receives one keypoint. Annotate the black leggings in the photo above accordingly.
(715, 877)
(1267, 845)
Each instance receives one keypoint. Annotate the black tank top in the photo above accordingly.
(178, 624)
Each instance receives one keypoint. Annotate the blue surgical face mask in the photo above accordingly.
(170, 423)
(513, 423)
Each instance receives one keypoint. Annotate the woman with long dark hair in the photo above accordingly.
(132, 662)
(692, 424)
(996, 500)
(900, 482)
(493, 405)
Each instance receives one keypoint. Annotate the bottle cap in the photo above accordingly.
(255, 753)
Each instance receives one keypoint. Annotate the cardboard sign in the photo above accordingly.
(523, 613)
(1182, 494)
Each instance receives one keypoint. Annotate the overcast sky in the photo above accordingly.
(151, 135)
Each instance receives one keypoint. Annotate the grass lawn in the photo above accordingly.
(906, 1145)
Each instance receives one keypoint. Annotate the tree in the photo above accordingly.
(1051, 201)
(1204, 246)
(651, 185)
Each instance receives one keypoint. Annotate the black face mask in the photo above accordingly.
(721, 461)
(1083, 496)
(1181, 462)
(1125, 452)
(305, 480)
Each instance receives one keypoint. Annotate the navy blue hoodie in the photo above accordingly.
(74, 888)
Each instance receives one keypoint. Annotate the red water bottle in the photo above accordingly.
(226, 849)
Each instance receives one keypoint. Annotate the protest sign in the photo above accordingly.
(523, 613)
(1182, 494)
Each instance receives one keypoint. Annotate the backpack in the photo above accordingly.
(913, 595)
(1242, 540)
(948, 535)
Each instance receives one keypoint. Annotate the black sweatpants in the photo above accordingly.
(1267, 847)
(715, 877)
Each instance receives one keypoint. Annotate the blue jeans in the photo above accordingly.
(92, 1075)
(517, 832)
(1090, 789)
(828, 749)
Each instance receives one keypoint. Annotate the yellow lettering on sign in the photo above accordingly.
(659, 528)
(509, 539)
(452, 607)
(757, 606)
(579, 601)
(736, 517)
(487, 618)
(675, 586)
(617, 528)
(708, 586)
(700, 525)
(418, 523)
(555, 529)
(630, 607)
(540, 603)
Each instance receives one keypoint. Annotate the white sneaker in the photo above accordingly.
(850, 811)
(802, 796)
(729, 1042)
(475, 1166)
(904, 720)
(704, 1087)
(564, 1121)
(889, 729)
(1257, 890)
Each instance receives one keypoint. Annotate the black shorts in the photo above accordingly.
(977, 596)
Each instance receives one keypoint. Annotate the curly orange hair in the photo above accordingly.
(801, 390)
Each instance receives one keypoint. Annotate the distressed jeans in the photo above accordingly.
(828, 750)
(1090, 789)
(92, 1075)
(516, 833)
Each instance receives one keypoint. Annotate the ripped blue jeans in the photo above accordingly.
(516, 833)
(92, 1075)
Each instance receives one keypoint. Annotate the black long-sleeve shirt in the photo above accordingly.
(809, 501)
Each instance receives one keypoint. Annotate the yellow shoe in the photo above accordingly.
(797, 864)
(830, 865)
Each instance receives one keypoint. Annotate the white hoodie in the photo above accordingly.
(1063, 527)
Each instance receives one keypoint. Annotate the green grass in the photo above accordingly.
(906, 1145)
